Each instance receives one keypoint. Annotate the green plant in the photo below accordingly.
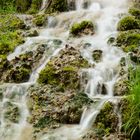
(132, 123)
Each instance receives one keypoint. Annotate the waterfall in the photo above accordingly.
(105, 14)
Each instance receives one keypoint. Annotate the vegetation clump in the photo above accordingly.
(130, 106)
(128, 23)
(128, 40)
(84, 27)
(10, 26)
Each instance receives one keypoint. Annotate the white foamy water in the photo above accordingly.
(105, 14)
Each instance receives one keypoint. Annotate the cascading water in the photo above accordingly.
(105, 14)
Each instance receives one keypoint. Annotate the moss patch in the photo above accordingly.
(79, 28)
(128, 40)
(10, 35)
(128, 23)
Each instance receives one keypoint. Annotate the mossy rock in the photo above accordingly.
(135, 55)
(128, 40)
(39, 20)
(17, 75)
(51, 108)
(135, 12)
(128, 23)
(121, 87)
(107, 120)
(55, 6)
(84, 27)
(97, 55)
(63, 69)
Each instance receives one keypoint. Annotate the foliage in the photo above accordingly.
(132, 121)
(7, 6)
(10, 36)
(35, 5)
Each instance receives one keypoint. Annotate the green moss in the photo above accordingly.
(135, 12)
(130, 106)
(7, 6)
(57, 6)
(63, 69)
(106, 120)
(10, 36)
(48, 75)
(128, 40)
(128, 23)
(79, 27)
(43, 122)
(18, 75)
(40, 20)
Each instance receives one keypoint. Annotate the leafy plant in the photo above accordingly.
(132, 125)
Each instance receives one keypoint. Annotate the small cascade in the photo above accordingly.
(97, 81)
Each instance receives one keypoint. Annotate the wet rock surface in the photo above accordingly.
(51, 108)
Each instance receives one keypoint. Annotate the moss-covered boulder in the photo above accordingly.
(82, 28)
(97, 55)
(56, 6)
(19, 69)
(135, 12)
(135, 55)
(107, 120)
(51, 108)
(128, 40)
(17, 75)
(39, 20)
(128, 23)
(63, 69)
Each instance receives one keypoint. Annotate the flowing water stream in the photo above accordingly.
(105, 13)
